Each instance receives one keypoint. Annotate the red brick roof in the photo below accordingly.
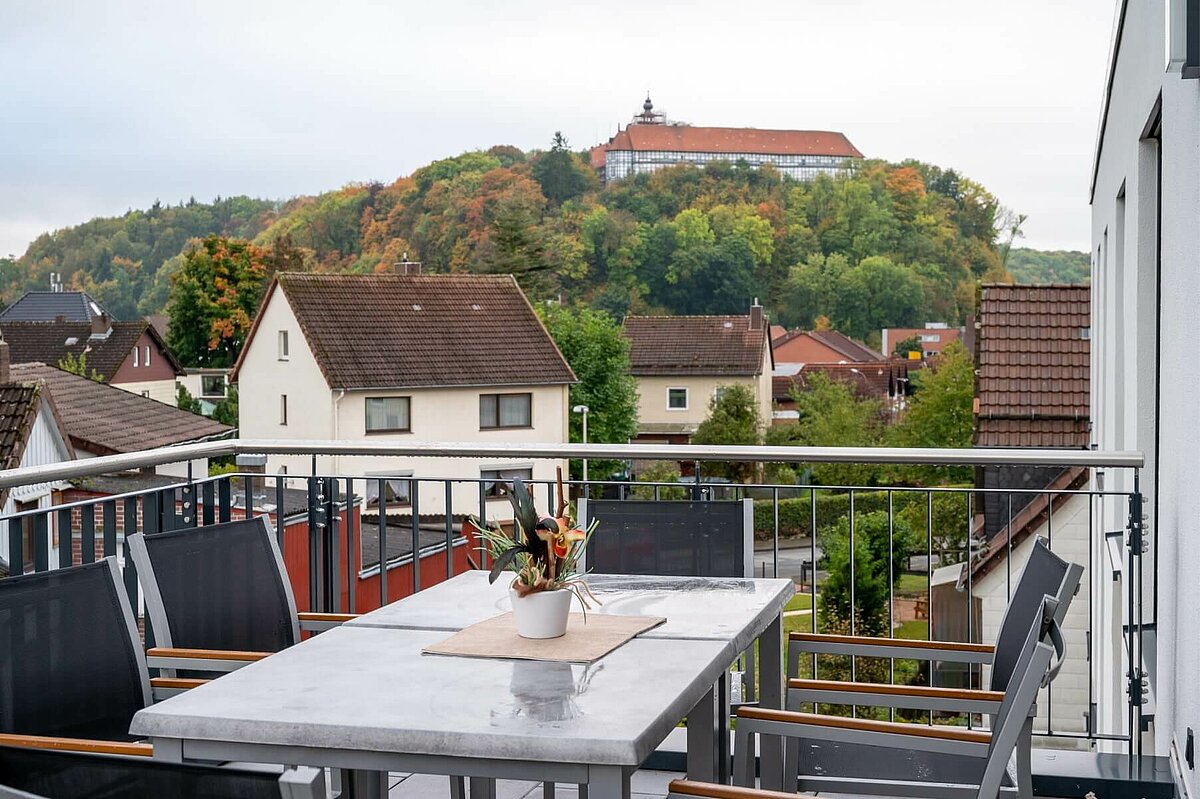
(1033, 351)
(408, 331)
(104, 420)
(695, 345)
(689, 139)
(867, 379)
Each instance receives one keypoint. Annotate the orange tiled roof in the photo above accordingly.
(686, 138)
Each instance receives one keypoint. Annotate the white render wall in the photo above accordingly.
(45, 447)
(1125, 242)
(160, 390)
(1067, 700)
(652, 395)
(315, 412)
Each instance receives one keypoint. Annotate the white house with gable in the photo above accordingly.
(405, 358)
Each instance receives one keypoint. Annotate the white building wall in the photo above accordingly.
(160, 390)
(1154, 410)
(45, 447)
(1066, 702)
(315, 412)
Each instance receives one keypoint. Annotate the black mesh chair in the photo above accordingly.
(72, 675)
(1045, 574)
(218, 596)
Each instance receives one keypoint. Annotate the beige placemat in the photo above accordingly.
(583, 643)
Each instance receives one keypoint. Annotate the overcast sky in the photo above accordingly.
(106, 106)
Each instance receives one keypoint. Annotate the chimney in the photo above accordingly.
(101, 324)
(407, 267)
(756, 316)
(256, 465)
(4, 377)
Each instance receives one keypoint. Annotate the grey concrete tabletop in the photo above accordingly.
(718, 608)
(372, 690)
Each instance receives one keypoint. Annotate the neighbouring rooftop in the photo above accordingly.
(695, 345)
(47, 306)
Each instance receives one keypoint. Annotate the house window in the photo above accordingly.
(388, 415)
(718, 393)
(137, 357)
(212, 385)
(146, 393)
(146, 359)
(677, 399)
(283, 345)
(498, 482)
(396, 489)
(283, 409)
(505, 410)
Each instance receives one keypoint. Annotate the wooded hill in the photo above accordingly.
(882, 245)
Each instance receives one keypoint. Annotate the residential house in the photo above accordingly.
(681, 363)
(127, 355)
(1145, 198)
(208, 386)
(47, 306)
(31, 434)
(822, 346)
(404, 358)
(934, 338)
(1032, 389)
(885, 381)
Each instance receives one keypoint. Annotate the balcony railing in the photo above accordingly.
(963, 542)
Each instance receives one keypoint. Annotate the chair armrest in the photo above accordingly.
(868, 646)
(83, 745)
(708, 789)
(939, 732)
(319, 622)
(221, 660)
(914, 697)
(165, 687)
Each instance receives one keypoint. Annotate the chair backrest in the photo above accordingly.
(222, 586)
(1043, 640)
(71, 660)
(1045, 574)
(69, 775)
(679, 538)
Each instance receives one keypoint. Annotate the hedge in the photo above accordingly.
(795, 515)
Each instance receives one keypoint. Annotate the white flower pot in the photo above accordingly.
(542, 614)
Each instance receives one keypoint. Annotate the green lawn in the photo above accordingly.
(799, 602)
(912, 585)
(915, 630)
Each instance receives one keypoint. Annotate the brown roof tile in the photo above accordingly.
(50, 342)
(867, 379)
(1033, 360)
(407, 331)
(690, 139)
(694, 345)
(106, 420)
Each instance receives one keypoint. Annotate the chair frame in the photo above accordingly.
(169, 657)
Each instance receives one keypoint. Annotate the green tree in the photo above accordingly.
(904, 347)
(560, 174)
(939, 413)
(831, 415)
(871, 570)
(598, 353)
(226, 411)
(214, 296)
(185, 401)
(77, 365)
(733, 418)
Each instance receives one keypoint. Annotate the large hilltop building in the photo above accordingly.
(649, 142)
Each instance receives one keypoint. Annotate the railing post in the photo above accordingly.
(414, 500)
(314, 545)
(16, 546)
(1137, 677)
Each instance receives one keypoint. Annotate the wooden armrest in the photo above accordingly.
(77, 745)
(867, 725)
(897, 690)
(179, 683)
(206, 654)
(690, 788)
(338, 618)
(866, 640)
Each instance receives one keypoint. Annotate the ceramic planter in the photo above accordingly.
(542, 614)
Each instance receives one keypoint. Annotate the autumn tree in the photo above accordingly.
(214, 296)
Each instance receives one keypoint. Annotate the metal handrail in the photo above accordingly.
(672, 452)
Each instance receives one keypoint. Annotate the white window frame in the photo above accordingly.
(687, 398)
(146, 360)
(283, 410)
(283, 349)
(720, 391)
(137, 356)
(500, 467)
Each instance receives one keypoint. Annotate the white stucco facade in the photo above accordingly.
(45, 446)
(654, 410)
(316, 412)
(160, 390)
(1064, 706)
(1145, 249)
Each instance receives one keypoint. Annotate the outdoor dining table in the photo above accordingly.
(363, 697)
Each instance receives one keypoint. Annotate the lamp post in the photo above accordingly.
(583, 409)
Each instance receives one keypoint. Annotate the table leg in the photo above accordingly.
(722, 697)
(482, 787)
(702, 739)
(770, 678)
(608, 782)
(368, 784)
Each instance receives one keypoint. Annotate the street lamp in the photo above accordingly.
(583, 409)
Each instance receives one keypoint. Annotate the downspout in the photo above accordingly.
(336, 434)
